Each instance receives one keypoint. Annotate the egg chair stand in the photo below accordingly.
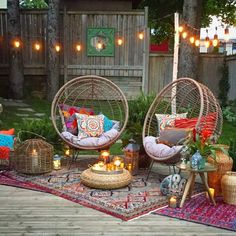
(183, 95)
(96, 93)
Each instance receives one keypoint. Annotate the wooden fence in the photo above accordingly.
(126, 68)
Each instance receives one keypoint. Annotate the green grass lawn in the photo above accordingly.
(9, 119)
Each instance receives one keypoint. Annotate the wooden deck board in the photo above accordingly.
(26, 212)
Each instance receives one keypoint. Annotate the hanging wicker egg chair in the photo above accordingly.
(95, 93)
(183, 96)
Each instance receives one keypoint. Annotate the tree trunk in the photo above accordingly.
(189, 54)
(16, 71)
(53, 56)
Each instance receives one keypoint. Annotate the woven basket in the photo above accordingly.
(228, 184)
(105, 181)
(34, 156)
(224, 163)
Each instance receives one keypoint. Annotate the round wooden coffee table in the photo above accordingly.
(105, 180)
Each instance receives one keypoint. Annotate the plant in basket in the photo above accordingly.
(201, 147)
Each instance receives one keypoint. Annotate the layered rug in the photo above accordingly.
(137, 199)
(199, 210)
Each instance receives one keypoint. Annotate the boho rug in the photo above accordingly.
(137, 199)
(199, 210)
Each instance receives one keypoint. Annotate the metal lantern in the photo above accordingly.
(132, 157)
(34, 156)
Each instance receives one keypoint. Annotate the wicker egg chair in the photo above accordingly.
(97, 93)
(182, 95)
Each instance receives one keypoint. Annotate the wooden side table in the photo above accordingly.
(191, 181)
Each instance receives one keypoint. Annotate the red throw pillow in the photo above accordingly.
(208, 122)
(8, 132)
(4, 152)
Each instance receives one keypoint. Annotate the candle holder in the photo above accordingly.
(56, 162)
(104, 156)
(173, 202)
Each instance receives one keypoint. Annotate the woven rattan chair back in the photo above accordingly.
(184, 95)
(95, 92)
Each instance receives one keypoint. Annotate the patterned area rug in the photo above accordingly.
(200, 210)
(137, 199)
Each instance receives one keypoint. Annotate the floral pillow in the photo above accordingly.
(167, 120)
(89, 126)
(68, 113)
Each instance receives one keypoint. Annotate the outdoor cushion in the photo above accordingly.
(107, 123)
(9, 132)
(167, 120)
(89, 126)
(158, 149)
(174, 136)
(70, 120)
(92, 141)
(6, 140)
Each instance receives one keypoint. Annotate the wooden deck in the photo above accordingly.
(26, 212)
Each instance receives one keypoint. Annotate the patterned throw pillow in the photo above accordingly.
(69, 116)
(167, 120)
(6, 140)
(89, 126)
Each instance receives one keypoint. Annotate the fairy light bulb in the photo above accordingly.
(226, 36)
(215, 41)
(141, 35)
(192, 39)
(58, 48)
(181, 28)
(16, 43)
(197, 42)
(207, 42)
(78, 47)
(119, 41)
(184, 35)
(37, 46)
(99, 45)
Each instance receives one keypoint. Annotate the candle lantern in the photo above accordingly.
(118, 162)
(56, 162)
(132, 157)
(173, 202)
(34, 156)
(104, 156)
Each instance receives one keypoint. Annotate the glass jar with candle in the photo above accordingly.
(56, 162)
(104, 156)
(173, 202)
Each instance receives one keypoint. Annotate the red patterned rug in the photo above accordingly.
(200, 210)
(137, 199)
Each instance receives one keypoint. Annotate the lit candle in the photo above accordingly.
(212, 192)
(173, 202)
(35, 160)
(122, 165)
(105, 156)
(57, 162)
(67, 152)
(117, 163)
(129, 167)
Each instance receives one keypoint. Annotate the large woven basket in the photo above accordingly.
(228, 184)
(34, 156)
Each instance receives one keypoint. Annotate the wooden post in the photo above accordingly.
(146, 53)
(65, 46)
(175, 61)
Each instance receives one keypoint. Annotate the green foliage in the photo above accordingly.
(36, 4)
(232, 153)
(229, 115)
(138, 109)
(224, 84)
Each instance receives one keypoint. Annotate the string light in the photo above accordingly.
(16, 43)
(57, 48)
(181, 28)
(99, 45)
(141, 35)
(207, 42)
(78, 47)
(119, 41)
(215, 41)
(197, 42)
(37, 46)
(192, 39)
(184, 35)
(226, 36)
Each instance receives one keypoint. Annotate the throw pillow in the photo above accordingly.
(70, 120)
(89, 126)
(174, 136)
(6, 140)
(167, 120)
(4, 153)
(107, 124)
(9, 132)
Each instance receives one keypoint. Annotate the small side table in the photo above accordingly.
(191, 181)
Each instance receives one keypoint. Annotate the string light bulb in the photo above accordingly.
(99, 45)
(141, 35)
(226, 36)
(192, 39)
(16, 43)
(78, 47)
(215, 41)
(57, 48)
(181, 28)
(197, 42)
(119, 41)
(184, 35)
(207, 42)
(37, 46)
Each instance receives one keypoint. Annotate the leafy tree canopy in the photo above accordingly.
(161, 14)
(29, 4)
